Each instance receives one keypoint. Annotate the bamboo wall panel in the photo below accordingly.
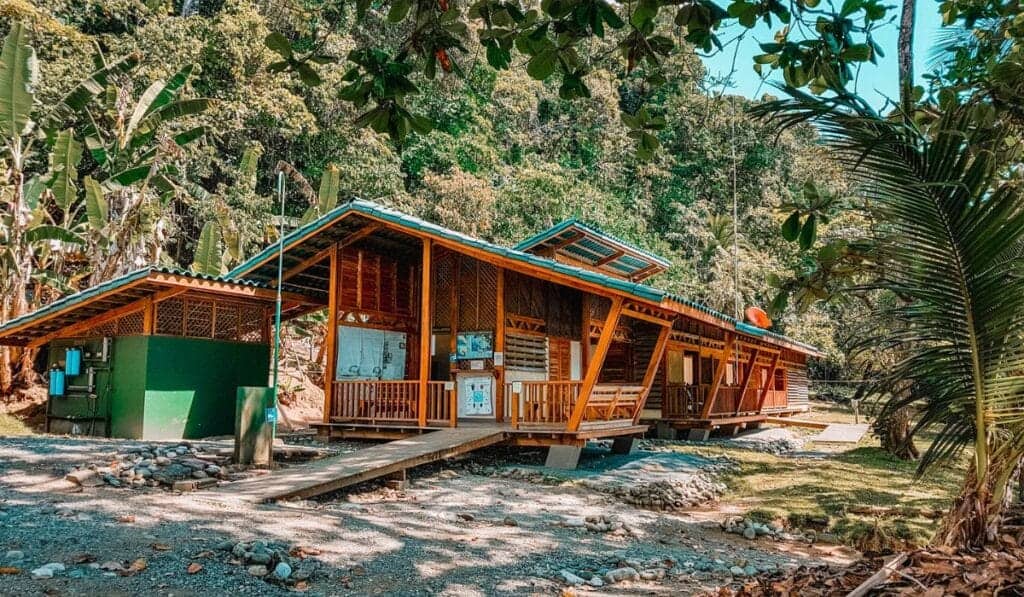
(526, 352)
(559, 359)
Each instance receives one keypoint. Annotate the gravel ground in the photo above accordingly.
(457, 530)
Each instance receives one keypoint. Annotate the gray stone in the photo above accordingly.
(653, 574)
(749, 533)
(737, 571)
(171, 473)
(226, 545)
(14, 556)
(48, 570)
(750, 570)
(621, 574)
(595, 581)
(199, 475)
(259, 570)
(260, 557)
(282, 571)
(239, 550)
(570, 578)
(162, 460)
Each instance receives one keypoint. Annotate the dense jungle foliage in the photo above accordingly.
(506, 158)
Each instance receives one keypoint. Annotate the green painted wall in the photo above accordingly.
(127, 407)
(191, 385)
(164, 387)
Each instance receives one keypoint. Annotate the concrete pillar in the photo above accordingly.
(625, 445)
(663, 430)
(565, 457)
(698, 435)
(754, 425)
(398, 480)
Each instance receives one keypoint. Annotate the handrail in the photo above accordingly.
(392, 401)
(551, 403)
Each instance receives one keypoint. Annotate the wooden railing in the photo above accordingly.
(540, 402)
(687, 401)
(391, 401)
(551, 403)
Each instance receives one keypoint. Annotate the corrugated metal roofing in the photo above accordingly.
(386, 214)
(111, 285)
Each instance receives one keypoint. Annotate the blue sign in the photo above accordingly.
(271, 414)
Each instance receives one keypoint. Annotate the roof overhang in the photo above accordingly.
(595, 248)
(126, 294)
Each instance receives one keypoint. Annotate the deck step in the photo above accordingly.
(330, 474)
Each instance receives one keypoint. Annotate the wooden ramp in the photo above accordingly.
(330, 474)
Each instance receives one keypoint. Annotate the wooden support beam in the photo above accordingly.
(609, 259)
(86, 324)
(499, 347)
(305, 264)
(716, 382)
(149, 317)
(652, 371)
(749, 373)
(426, 329)
(769, 382)
(596, 363)
(634, 314)
(578, 236)
(333, 289)
(585, 332)
(360, 234)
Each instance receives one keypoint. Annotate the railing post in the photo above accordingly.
(426, 329)
(515, 407)
(453, 407)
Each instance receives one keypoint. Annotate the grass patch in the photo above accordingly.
(13, 426)
(802, 491)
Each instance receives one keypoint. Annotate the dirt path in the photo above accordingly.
(450, 533)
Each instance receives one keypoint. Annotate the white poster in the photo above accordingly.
(476, 396)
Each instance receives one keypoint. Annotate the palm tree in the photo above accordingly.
(946, 199)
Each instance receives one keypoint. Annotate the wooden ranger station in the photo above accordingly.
(553, 342)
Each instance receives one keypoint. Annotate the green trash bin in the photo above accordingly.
(255, 417)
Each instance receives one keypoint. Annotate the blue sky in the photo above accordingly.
(874, 83)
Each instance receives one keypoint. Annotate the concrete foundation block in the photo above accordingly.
(663, 430)
(698, 435)
(564, 457)
(625, 445)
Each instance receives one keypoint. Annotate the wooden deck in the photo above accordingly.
(330, 474)
(536, 435)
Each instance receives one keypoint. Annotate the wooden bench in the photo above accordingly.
(608, 402)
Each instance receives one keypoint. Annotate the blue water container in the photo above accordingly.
(73, 362)
(56, 382)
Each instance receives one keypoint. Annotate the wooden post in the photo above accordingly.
(499, 346)
(746, 378)
(149, 318)
(596, 363)
(331, 353)
(716, 382)
(770, 382)
(453, 303)
(426, 329)
(515, 409)
(585, 336)
(652, 370)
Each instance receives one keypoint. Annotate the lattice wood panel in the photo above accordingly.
(477, 287)
(443, 278)
(201, 317)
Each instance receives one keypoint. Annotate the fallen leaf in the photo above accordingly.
(135, 567)
(161, 547)
(9, 570)
(194, 567)
(82, 558)
(126, 518)
(301, 586)
(203, 554)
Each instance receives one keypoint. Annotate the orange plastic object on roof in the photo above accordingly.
(758, 317)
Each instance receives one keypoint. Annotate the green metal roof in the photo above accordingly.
(399, 219)
(591, 245)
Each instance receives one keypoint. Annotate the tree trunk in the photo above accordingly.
(976, 515)
(894, 432)
(906, 57)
